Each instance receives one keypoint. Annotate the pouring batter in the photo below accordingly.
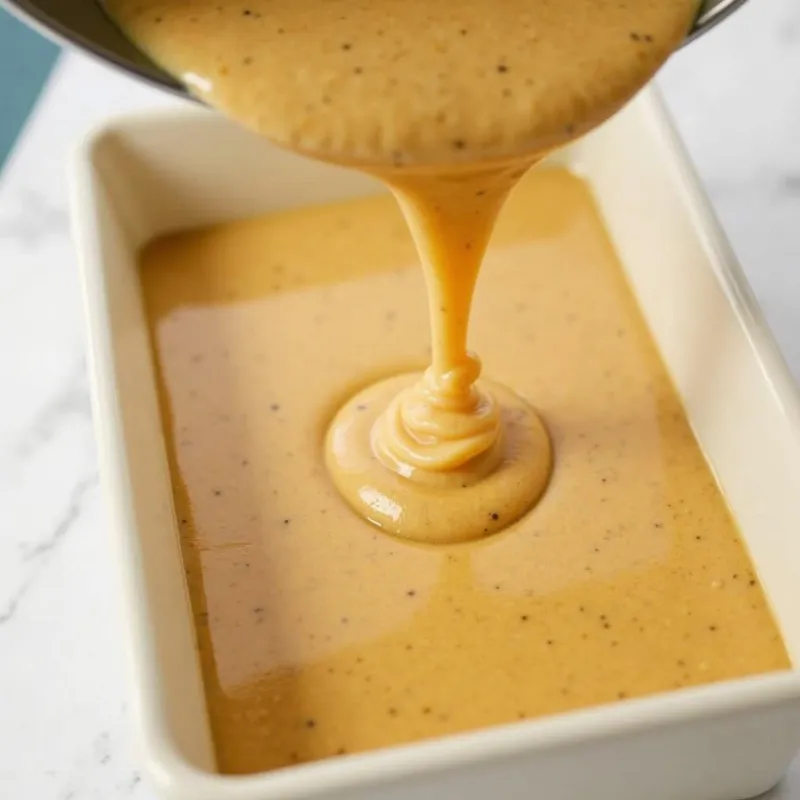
(449, 104)
(317, 636)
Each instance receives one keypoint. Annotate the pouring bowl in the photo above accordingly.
(83, 24)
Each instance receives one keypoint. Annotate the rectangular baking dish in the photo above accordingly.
(138, 177)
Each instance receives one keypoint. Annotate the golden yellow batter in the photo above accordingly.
(318, 634)
(375, 82)
(430, 457)
(449, 103)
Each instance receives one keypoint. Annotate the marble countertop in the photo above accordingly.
(64, 725)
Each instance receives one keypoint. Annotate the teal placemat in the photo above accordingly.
(26, 59)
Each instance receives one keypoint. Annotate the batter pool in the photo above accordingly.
(318, 634)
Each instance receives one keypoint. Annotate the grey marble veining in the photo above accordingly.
(63, 719)
(63, 731)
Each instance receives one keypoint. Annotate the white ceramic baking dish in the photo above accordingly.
(141, 176)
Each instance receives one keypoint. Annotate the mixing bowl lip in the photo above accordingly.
(39, 20)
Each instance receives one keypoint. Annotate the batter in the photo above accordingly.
(321, 636)
(282, 338)
(449, 103)
(411, 82)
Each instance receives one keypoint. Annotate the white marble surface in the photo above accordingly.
(64, 732)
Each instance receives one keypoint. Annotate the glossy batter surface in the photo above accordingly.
(318, 634)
